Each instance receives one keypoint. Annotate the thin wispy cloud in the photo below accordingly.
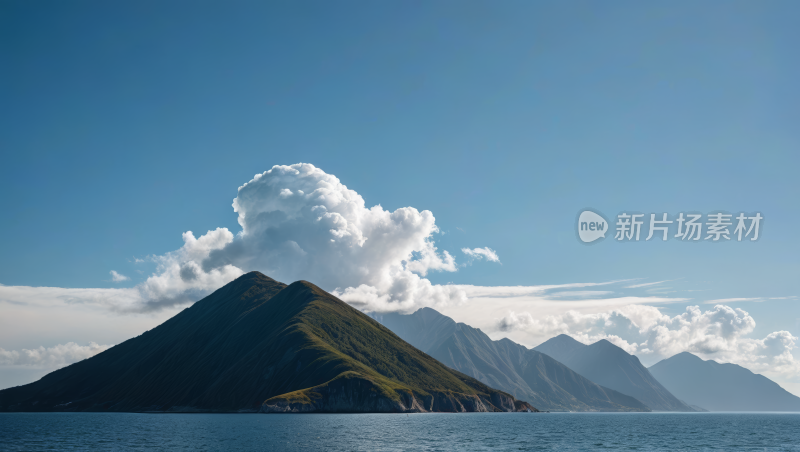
(753, 299)
(661, 290)
(732, 300)
(580, 294)
(636, 286)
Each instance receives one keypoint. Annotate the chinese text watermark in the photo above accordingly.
(631, 227)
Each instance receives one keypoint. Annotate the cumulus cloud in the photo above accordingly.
(480, 253)
(52, 357)
(719, 333)
(179, 279)
(298, 222)
(116, 277)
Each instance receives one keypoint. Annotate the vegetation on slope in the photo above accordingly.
(253, 340)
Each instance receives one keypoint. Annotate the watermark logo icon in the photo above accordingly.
(591, 226)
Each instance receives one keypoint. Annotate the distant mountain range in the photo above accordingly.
(259, 345)
(524, 373)
(721, 387)
(608, 365)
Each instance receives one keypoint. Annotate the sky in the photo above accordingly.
(444, 151)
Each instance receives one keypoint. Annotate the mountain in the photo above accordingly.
(608, 365)
(260, 345)
(561, 345)
(503, 364)
(721, 387)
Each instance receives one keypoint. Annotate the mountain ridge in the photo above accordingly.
(505, 364)
(608, 365)
(259, 345)
(721, 386)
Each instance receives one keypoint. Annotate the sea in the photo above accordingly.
(401, 432)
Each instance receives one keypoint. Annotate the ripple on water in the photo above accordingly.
(387, 432)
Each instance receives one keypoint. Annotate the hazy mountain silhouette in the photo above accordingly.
(506, 365)
(608, 365)
(721, 387)
(260, 345)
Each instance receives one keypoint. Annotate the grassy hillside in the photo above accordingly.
(256, 340)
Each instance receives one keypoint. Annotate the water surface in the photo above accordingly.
(399, 432)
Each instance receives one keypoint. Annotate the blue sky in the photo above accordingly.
(126, 124)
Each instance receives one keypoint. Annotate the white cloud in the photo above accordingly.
(730, 300)
(179, 279)
(429, 259)
(51, 358)
(116, 277)
(719, 333)
(635, 286)
(579, 293)
(488, 307)
(480, 253)
(298, 222)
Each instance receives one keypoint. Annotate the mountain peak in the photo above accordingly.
(505, 364)
(559, 347)
(568, 340)
(605, 343)
(259, 345)
(721, 386)
(686, 356)
(252, 278)
(612, 367)
(255, 274)
(303, 284)
(428, 313)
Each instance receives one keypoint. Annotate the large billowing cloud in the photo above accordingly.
(298, 222)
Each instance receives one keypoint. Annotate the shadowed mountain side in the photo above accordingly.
(503, 364)
(721, 387)
(560, 346)
(608, 365)
(257, 344)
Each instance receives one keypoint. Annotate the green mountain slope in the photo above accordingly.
(259, 345)
(721, 387)
(608, 365)
(504, 364)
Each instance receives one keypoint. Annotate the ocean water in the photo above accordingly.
(400, 432)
